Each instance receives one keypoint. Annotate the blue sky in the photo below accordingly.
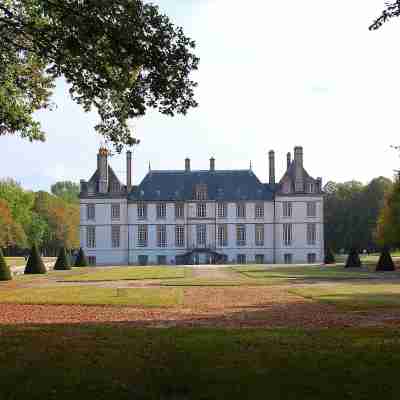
(272, 75)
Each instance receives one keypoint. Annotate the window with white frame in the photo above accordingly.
(241, 235)
(92, 260)
(161, 235)
(161, 210)
(311, 233)
(179, 210)
(259, 258)
(311, 188)
(90, 212)
(259, 210)
(201, 210)
(115, 211)
(288, 258)
(311, 258)
(142, 235)
(201, 192)
(287, 234)
(201, 234)
(222, 210)
(241, 210)
(241, 258)
(259, 234)
(90, 237)
(222, 235)
(115, 236)
(311, 209)
(179, 235)
(287, 208)
(142, 211)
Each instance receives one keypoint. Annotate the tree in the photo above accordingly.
(392, 9)
(5, 272)
(81, 260)
(11, 232)
(35, 263)
(66, 190)
(385, 262)
(120, 57)
(353, 259)
(62, 262)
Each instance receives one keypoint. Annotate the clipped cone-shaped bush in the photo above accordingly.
(353, 259)
(62, 262)
(5, 272)
(35, 263)
(81, 260)
(385, 262)
(329, 257)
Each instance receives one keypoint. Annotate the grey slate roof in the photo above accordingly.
(232, 185)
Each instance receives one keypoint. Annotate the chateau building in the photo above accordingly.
(206, 216)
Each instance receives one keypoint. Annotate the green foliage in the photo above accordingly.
(120, 57)
(385, 262)
(329, 256)
(35, 263)
(62, 262)
(5, 272)
(392, 10)
(66, 190)
(353, 259)
(81, 260)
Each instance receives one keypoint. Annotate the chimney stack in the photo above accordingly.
(128, 171)
(271, 167)
(298, 161)
(288, 160)
(102, 167)
(298, 156)
(212, 164)
(187, 164)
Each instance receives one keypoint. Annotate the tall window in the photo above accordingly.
(310, 188)
(222, 235)
(241, 235)
(287, 234)
(241, 258)
(201, 233)
(288, 258)
(221, 210)
(311, 209)
(115, 211)
(90, 212)
(311, 233)
(143, 235)
(259, 258)
(179, 235)
(115, 236)
(241, 210)
(201, 192)
(179, 210)
(311, 258)
(90, 237)
(161, 235)
(259, 233)
(161, 210)
(142, 211)
(259, 210)
(287, 208)
(201, 210)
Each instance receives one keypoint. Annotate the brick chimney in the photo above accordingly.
(102, 167)
(128, 171)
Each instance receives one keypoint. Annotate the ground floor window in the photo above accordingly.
(161, 260)
(311, 258)
(288, 258)
(92, 260)
(241, 258)
(259, 258)
(143, 260)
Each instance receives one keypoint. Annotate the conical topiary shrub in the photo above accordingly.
(81, 260)
(353, 260)
(5, 272)
(329, 257)
(62, 262)
(385, 262)
(35, 263)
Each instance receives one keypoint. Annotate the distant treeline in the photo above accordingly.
(49, 220)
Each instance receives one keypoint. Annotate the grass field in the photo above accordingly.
(15, 261)
(120, 363)
(355, 296)
(92, 295)
(126, 273)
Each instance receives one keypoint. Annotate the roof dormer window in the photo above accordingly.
(201, 192)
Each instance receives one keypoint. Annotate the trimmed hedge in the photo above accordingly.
(62, 263)
(329, 257)
(353, 260)
(81, 260)
(35, 263)
(385, 262)
(5, 272)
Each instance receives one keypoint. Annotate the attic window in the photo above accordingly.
(115, 187)
(201, 192)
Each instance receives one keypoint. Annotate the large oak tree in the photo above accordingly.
(120, 57)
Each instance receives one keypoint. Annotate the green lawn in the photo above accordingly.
(92, 295)
(15, 261)
(121, 363)
(354, 296)
(126, 273)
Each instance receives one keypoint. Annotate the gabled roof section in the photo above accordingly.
(291, 173)
(233, 185)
